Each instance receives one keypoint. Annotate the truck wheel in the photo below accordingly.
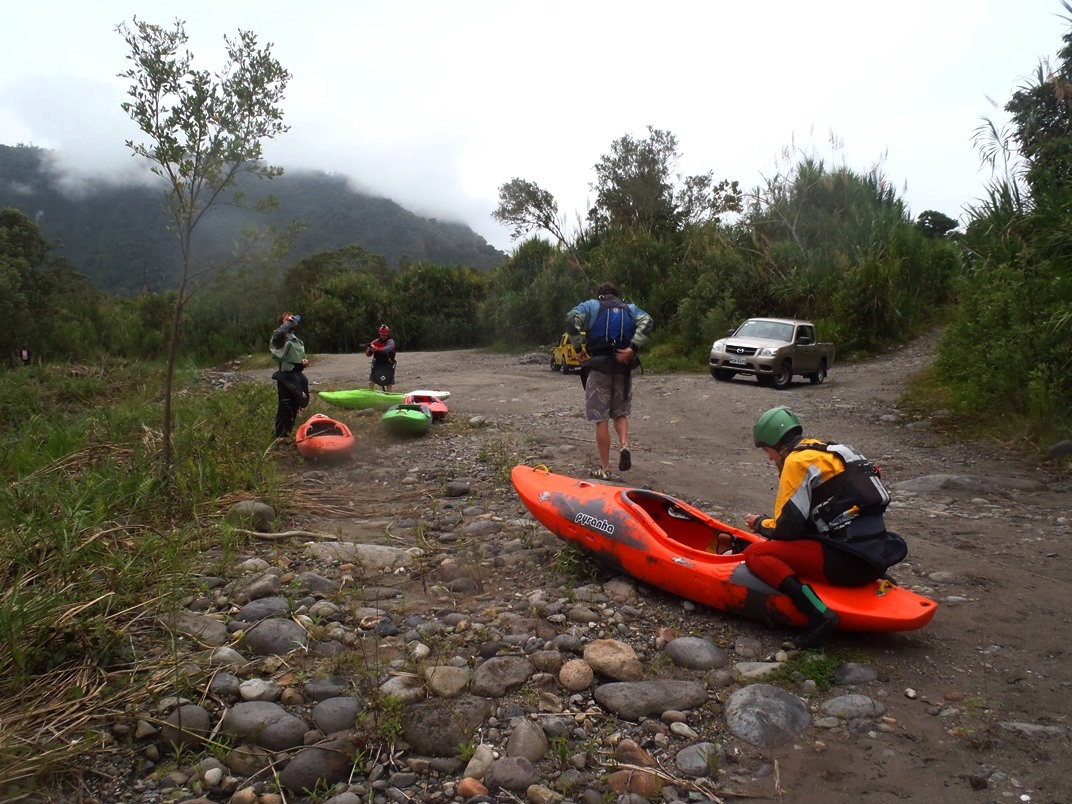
(819, 375)
(555, 366)
(782, 376)
(723, 374)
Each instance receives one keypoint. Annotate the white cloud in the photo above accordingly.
(436, 105)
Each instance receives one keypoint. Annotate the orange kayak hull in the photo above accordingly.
(665, 542)
(324, 439)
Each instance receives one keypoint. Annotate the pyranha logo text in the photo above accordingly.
(590, 521)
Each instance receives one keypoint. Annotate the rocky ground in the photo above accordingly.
(526, 674)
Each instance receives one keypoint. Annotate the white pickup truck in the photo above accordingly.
(773, 350)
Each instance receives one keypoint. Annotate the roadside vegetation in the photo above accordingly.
(98, 540)
(97, 549)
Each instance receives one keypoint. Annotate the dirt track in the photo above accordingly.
(989, 541)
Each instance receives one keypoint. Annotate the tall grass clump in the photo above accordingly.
(97, 548)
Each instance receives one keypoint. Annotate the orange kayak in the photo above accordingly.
(322, 438)
(668, 543)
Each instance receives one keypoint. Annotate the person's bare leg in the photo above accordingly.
(371, 385)
(390, 389)
(603, 444)
(621, 426)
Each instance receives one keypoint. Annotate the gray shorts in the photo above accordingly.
(604, 397)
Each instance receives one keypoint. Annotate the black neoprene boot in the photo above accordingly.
(821, 620)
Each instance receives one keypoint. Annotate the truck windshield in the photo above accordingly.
(766, 329)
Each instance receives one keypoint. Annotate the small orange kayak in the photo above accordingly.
(668, 543)
(324, 439)
(434, 404)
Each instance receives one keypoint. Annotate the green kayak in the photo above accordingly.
(408, 419)
(362, 399)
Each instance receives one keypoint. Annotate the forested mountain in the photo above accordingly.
(118, 238)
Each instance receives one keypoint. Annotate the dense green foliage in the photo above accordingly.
(1008, 352)
(117, 236)
(832, 245)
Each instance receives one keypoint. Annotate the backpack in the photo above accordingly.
(613, 328)
(858, 486)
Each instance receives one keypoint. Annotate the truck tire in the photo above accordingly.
(555, 366)
(782, 375)
(820, 374)
(725, 375)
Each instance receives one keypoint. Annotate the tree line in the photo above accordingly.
(815, 240)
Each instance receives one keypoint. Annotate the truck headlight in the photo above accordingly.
(718, 346)
(768, 351)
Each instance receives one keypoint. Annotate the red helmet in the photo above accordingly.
(384, 330)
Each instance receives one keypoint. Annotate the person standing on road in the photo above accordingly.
(612, 331)
(382, 351)
(291, 383)
(827, 524)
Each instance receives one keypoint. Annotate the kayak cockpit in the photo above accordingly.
(681, 523)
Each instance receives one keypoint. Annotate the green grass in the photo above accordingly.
(96, 545)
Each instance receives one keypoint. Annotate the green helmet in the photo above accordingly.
(774, 425)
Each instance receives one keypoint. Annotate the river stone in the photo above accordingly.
(251, 514)
(315, 583)
(696, 653)
(633, 700)
(248, 760)
(321, 765)
(370, 557)
(266, 724)
(320, 689)
(407, 689)
(576, 675)
(275, 637)
(446, 681)
(700, 759)
(204, 629)
(510, 773)
(501, 674)
(336, 714)
(226, 656)
(1060, 449)
(766, 716)
(851, 707)
(527, 740)
(265, 585)
(437, 727)
(479, 763)
(186, 725)
(614, 660)
(852, 673)
(262, 609)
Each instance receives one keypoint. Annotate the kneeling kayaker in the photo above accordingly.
(827, 524)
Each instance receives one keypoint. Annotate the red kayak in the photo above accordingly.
(433, 403)
(324, 439)
(670, 544)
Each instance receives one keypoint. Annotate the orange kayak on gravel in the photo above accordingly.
(668, 543)
(322, 438)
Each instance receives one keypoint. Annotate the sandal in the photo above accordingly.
(600, 474)
(625, 460)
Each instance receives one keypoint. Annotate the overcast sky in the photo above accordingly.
(437, 104)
